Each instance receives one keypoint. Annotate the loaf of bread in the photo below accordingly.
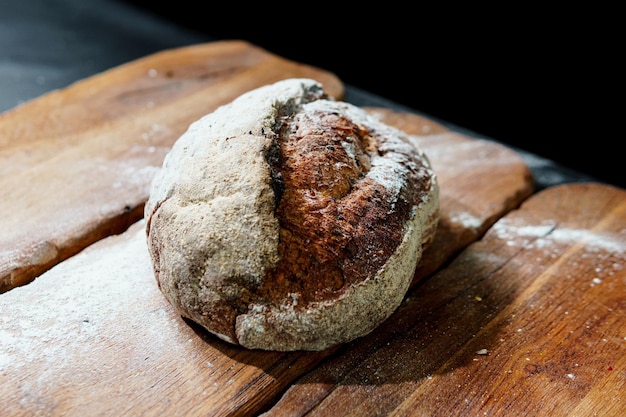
(286, 220)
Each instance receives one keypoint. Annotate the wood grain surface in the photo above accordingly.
(75, 164)
(528, 321)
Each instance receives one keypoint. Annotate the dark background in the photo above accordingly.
(545, 80)
(540, 80)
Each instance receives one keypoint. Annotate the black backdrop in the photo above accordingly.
(542, 80)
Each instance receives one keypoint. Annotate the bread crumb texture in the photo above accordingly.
(286, 220)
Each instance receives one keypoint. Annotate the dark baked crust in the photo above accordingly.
(337, 226)
(288, 221)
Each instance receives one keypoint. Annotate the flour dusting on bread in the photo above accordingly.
(286, 220)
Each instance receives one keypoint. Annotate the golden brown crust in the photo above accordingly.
(337, 226)
(288, 221)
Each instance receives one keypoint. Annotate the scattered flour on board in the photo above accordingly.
(81, 327)
(467, 220)
(539, 236)
(607, 250)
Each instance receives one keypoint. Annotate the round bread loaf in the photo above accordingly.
(286, 220)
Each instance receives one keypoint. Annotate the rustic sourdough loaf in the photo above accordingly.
(286, 220)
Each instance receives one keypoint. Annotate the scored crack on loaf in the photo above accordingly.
(286, 220)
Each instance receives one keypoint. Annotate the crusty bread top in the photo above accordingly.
(286, 220)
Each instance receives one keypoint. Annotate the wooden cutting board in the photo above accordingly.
(528, 321)
(528, 318)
